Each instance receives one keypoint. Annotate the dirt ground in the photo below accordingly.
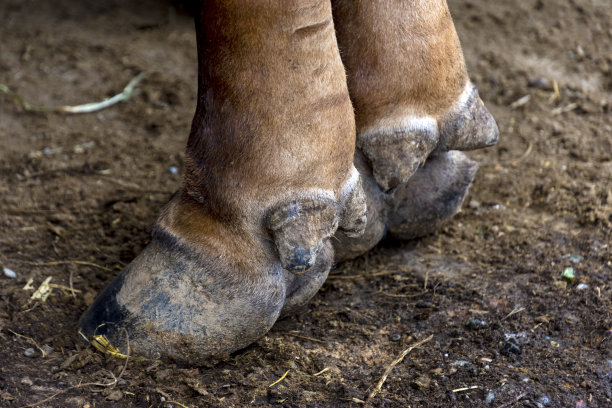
(78, 192)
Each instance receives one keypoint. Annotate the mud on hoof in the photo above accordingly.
(396, 152)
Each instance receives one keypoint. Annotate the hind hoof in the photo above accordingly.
(432, 196)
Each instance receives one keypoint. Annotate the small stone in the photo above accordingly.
(544, 400)
(29, 352)
(423, 304)
(422, 382)
(395, 337)
(173, 170)
(582, 286)
(574, 258)
(490, 397)
(476, 324)
(474, 204)
(9, 273)
(541, 82)
(27, 381)
(115, 395)
(510, 347)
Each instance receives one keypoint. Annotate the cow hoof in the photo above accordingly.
(173, 303)
(300, 229)
(468, 125)
(201, 289)
(353, 218)
(349, 246)
(432, 196)
(395, 152)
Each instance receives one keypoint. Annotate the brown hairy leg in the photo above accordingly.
(269, 178)
(413, 103)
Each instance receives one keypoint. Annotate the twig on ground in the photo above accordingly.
(111, 384)
(126, 94)
(513, 312)
(54, 263)
(49, 398)
(523, 156)
(395, 362)
(280, 379)
(473, 387)
(31, 340)
(556, 93)
(326, 369)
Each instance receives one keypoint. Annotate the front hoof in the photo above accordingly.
(174, 303)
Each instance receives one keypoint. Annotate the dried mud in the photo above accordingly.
(508, 330)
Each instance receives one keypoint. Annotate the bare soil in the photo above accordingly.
(508, 330)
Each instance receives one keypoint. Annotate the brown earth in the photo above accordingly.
(508, 330)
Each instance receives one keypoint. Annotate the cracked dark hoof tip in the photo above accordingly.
(469, 125)
(302, 260)
(396, 154)
(300, 229)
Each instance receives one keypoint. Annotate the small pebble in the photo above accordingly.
(29, 352)
(490, 397)
(510, 347)
(395, 337)
(173, 170)
(574, 258)
(582, 286)
(422, 382)
(544, 400)
(423, 304)
(476, 324)
(47, 151)
(474, 204)
(27, 381)
(540, 82)
(9, 273)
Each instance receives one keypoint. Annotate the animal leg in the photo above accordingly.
(268, 162)
(409, 85)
